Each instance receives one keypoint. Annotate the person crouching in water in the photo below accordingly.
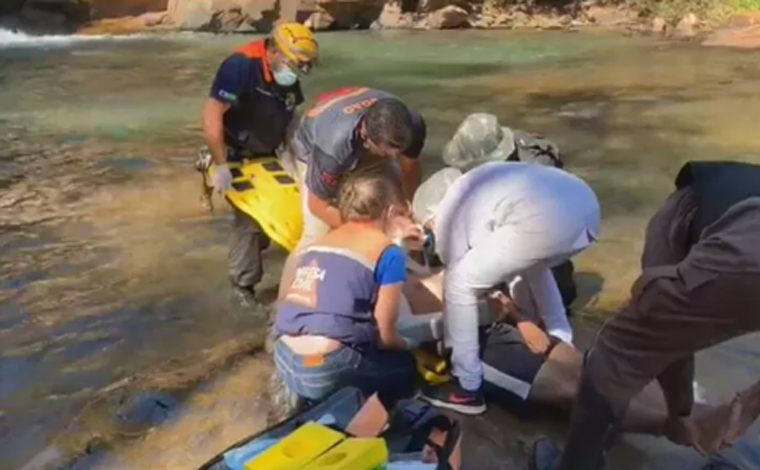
(494, 224)
(336, 323)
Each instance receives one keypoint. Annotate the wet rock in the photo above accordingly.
(146, 408)
(610, 16)
(392, 17)
(351, 14)
(658, 25)
(551, 21)
(687, 26)
(103, 9)
(450, 17)
(429, 6)
(222, 15)
(319, 21)
(153, 19)
(35, 20)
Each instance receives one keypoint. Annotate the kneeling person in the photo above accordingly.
(336, 324)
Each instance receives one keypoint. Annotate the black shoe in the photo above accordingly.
(453, 397)
(544, 455)
(246, 296)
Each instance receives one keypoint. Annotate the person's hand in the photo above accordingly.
(503, 306)
(221, 179)
(535, 338)
(683, 431)
(407, 229)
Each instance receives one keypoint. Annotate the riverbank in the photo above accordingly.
(711, 22)
(733, 23)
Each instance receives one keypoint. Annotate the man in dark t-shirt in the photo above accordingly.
(250, 106)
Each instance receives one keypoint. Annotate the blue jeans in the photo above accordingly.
(389, 373)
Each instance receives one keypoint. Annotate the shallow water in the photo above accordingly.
(113, 278)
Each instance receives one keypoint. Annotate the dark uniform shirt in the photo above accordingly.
(256, 123)
(327, 138)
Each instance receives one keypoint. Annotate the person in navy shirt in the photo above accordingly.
(336, 324)
(251, 104)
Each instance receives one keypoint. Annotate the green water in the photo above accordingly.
(113, 274)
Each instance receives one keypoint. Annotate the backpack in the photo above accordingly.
(535, 148)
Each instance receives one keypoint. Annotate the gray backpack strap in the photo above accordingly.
(534, 148)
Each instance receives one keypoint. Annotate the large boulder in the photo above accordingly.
(44, 17)
(101, 9)
(393, 16)
(449, 17)
(429, 6)
(223, 15)
(350, 14)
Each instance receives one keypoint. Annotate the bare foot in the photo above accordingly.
(745, 409)
(720, 427)
(712, 424)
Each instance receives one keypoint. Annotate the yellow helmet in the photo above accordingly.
(297, 42)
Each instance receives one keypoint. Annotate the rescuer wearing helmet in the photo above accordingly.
(250, 106)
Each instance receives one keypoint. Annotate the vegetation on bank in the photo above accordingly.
(707, 10)
(710, 11)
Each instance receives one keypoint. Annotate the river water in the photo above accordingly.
(113, 279)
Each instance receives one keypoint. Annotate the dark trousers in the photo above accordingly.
(688, 298)
(247, 242)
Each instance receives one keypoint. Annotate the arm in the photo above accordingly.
(549, 304)
(230, 81)
(410, 168)
(410, 160)
(324, 210)
(386, 315)
(213, 128)
(322, 182)
(390, 274)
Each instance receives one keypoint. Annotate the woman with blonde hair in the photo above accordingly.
(336, 323)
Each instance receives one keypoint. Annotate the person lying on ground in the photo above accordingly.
(698, 288)
(522, 363)
(481, 139)
(346, 129)
(336, 324)
(489, 226)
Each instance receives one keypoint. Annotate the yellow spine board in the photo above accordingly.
(297, 449)
(264, 191)
(353, 454)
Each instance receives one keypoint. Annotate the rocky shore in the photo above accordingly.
(248, 16)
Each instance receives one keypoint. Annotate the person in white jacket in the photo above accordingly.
(498, 224)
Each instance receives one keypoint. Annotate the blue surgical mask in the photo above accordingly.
(285, 76)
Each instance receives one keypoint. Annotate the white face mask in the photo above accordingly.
(285, 76)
